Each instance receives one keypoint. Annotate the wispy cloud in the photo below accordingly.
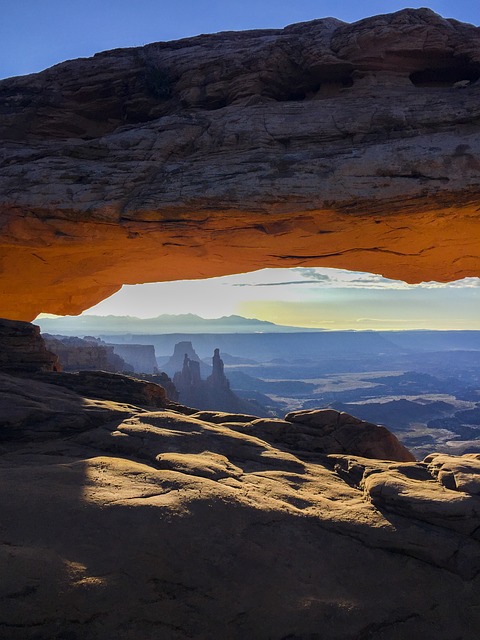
(313, 274)
(269, 284)
(329, 278)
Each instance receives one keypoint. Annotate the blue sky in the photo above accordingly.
(35, 34)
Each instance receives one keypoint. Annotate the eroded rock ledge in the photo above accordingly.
(127, 516)
(325, 143)
(119, 519)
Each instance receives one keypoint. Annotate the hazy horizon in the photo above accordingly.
(309, 298)
(313, 298)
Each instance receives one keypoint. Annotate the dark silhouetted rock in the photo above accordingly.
(217, 380)
(177, 361)
(111, 386)
(214, 393)
(163, 380)
(23, 350)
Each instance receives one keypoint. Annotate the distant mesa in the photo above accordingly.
(140, 356)
(165, 323)
(89, 354)
(94, 354)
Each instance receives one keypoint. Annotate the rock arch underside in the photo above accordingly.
(126, 515)
(345, 145)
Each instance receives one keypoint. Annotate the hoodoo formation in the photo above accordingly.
(325, 143)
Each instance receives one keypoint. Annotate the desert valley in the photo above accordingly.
(423, 385)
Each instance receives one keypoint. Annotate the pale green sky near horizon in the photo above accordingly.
(321, 298)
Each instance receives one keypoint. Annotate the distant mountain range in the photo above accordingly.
(185, 323)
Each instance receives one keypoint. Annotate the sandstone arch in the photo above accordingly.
(352, 146)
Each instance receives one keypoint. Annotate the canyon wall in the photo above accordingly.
(140, 356)
(325, 144)
(76, 354)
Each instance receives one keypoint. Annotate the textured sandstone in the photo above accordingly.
(352, 146)
(330, 431)
(324, 143)
(123, 522)
(140, 524)
(33, 410)
(111, 386)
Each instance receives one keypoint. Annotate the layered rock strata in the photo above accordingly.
(110, 386)
(325, 143)
(23, 350)
(76, 354)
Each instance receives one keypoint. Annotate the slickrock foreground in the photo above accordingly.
(325, 143)
(124, 522)
(126, 515)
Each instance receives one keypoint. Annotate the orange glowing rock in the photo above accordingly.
(349, 146)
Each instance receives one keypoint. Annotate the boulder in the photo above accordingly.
(330, 431)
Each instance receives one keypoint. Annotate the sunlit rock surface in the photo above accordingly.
(126, 515)
(123, 522)
(330, 144)
(352, 146)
